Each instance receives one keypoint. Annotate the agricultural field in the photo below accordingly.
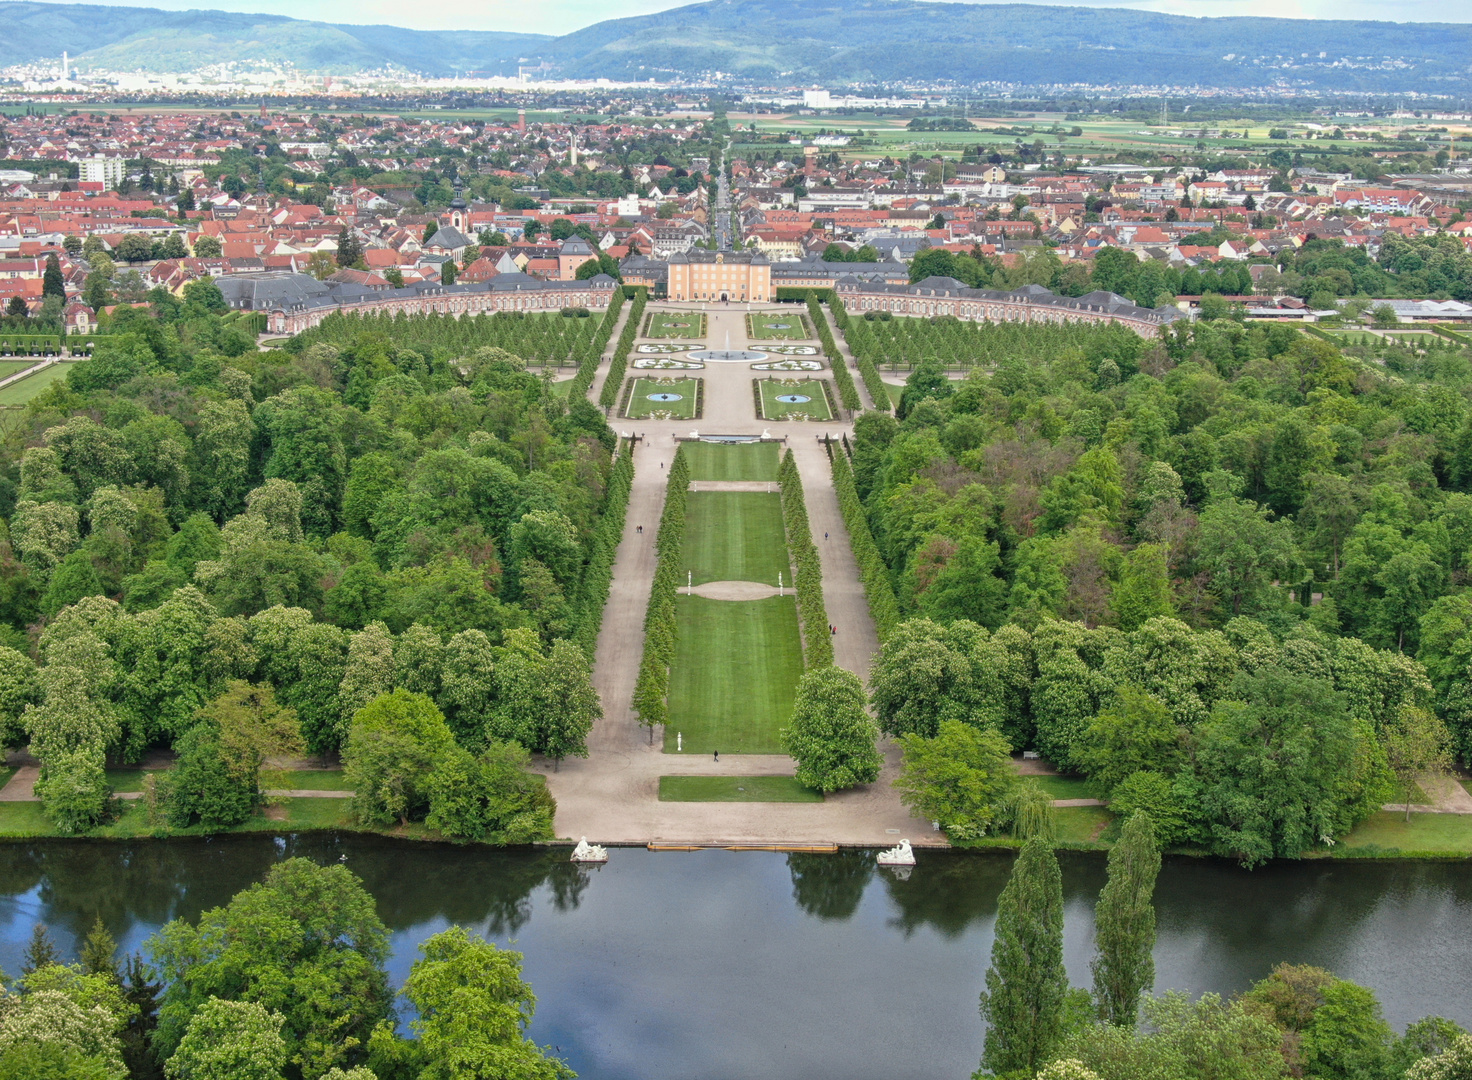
(674, 324)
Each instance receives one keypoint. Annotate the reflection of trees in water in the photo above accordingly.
(150, 882)
(830, 886)
(947, 890)
(147, 882)
(1312, 906)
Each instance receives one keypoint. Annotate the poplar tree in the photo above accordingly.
(1026, 985)
(1124, 923)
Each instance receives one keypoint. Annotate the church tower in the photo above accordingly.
(459, 217)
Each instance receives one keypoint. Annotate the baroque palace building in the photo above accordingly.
(720, 275)
(297, 302)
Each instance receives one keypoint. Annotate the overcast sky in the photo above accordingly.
(562, 16)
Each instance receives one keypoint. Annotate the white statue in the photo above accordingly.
(899, 855)
(586, 852)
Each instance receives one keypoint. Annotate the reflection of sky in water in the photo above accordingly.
(676, 965)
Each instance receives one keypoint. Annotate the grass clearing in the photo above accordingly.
(732, 461)
(794, 399)
(663, 399)
(735, 789)
(734, 675)
(127, 779)
(1063, 787)
(734, 536)
(1082, 824)
(772, 326)
(675, 324)
(14, 367)
(23, 392)
(306, 780)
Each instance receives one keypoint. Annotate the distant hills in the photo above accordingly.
(128, 39)
(783, 42)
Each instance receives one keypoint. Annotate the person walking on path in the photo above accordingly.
(718, 757)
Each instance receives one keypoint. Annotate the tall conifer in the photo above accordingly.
(1026, 985)
(1124, 924)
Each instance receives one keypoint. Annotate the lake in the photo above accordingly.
(729, 965)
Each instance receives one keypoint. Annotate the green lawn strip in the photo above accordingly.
(1078, 827)
(126, 779)
(735, 789)
(6, 772)
(1064, 787)
(560, 388)
(13, 367)
(641, 407)
(306, 780)
(22, 392)
(895, 393)
(732, 461)
(734, 674)
(667, 324)
(734, 536)
(816, 407)
(1388, 833)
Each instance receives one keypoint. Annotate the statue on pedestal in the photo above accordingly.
(586, 852)
(899, 855)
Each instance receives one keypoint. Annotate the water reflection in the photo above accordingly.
(664, 965)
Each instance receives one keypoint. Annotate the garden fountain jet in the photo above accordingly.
(727, 355)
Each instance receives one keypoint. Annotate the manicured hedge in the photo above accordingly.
(619, 364)
(848, 393)
(883, 607)
(867, 371)
(651, 691)
(598, 577)
(816, 637)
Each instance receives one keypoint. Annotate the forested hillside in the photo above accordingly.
(334, 522)
(1223, 575)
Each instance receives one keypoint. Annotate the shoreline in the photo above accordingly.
(327, 815)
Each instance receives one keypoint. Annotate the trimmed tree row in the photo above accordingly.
(589, 367)
(598, 577)
(817, 638)
(867, 370)
(651, 691)
(848, 393)
(620, 362)
(883, 607)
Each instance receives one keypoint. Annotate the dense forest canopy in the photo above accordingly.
(333, 522)
(1223, 574)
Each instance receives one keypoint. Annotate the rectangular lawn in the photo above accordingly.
(734, 536)
(675, 324)
(734, 675)
(21, 393)
(735, 789)
(776, 325)
(732, 461)
(645, 399)
(814, 408)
